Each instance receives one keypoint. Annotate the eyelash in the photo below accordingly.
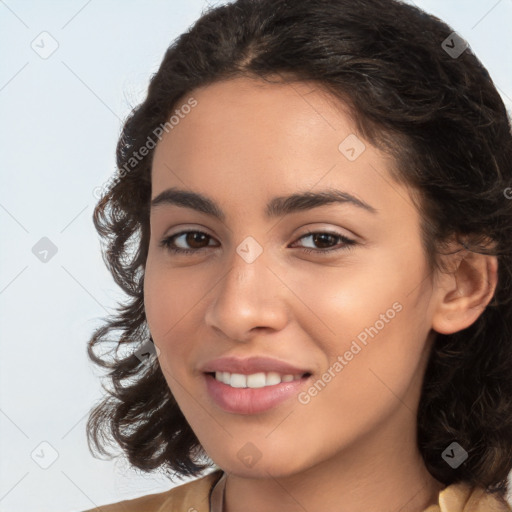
(348, 243)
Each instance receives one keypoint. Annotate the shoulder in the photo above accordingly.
(190, 497)
(461, 497)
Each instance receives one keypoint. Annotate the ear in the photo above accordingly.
(464, 292)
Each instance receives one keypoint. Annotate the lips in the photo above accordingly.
(252, 365)
(239, 399)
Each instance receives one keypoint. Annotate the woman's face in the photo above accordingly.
(354, 322)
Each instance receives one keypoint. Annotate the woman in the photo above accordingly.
(316, 192)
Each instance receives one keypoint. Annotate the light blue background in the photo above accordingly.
(60, 120)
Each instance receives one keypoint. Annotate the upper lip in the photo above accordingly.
(251, 365)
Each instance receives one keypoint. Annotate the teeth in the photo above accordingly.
(272, 378)
(255, 380)
(238, 381)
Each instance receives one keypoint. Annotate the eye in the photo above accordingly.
(326, 237)
(190, 237)
(195, 238)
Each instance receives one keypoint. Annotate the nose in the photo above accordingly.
(248, 300)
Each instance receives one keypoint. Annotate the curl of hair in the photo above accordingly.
(447, 128)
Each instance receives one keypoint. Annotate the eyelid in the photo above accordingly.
(309, 230)
(188, 227)
(337, 231)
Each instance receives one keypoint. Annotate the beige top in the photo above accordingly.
(206, 495)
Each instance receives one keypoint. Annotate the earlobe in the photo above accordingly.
(465, 292)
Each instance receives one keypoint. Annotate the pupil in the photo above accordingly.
(194, 237)
(321, 235)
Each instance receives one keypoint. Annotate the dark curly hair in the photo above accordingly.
(441, 118)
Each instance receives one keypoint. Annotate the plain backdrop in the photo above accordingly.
(70, 73)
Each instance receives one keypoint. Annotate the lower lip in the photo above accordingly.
(251, 400)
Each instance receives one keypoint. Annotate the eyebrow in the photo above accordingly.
(276, 207)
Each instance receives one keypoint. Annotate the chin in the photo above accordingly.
(275, 467)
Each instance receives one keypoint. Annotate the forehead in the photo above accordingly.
(254, 110)
(292, 104)
(243, 122)
(264, 140)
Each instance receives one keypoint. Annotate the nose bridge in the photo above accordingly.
(249, 295)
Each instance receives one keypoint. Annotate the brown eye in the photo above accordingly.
(326, 240)
(194, 239)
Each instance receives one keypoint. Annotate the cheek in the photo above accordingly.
(375, 319)
(335, 304)
(158, 303)
(169, 297)
(163, 310)
(173, 302)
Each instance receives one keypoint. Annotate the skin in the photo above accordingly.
(353, 446)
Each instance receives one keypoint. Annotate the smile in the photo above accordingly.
(255, 380)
